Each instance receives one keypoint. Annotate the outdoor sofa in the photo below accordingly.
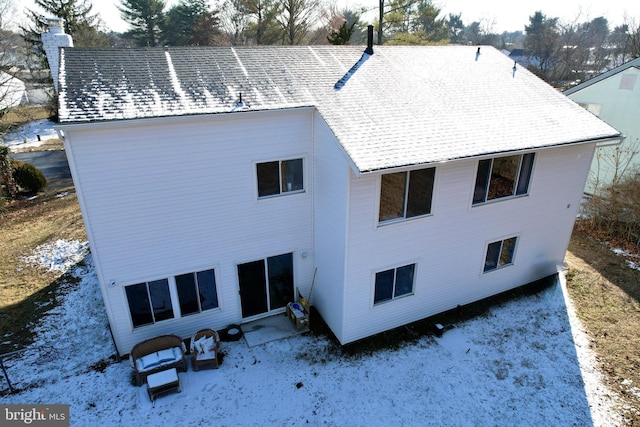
(157, 354)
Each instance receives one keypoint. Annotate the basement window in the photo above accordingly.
(197, 292)
(394, 283)
(149, 302)
(500, 254)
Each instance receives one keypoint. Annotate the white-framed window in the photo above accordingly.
(592, 108)
(149, 302)
(503, 177)
(406, 194)
(394, 283)
(500, 254)
(280, 177)
(197, 292)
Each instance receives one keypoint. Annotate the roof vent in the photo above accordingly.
(515, 68)
(478, 53)
(369, 49)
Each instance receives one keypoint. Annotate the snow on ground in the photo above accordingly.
(27, 134)
(525, 363)
(57, 256)
(633, 260)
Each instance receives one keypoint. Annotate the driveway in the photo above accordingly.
(53, 164)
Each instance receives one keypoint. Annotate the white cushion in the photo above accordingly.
(177, 353)
(149, 361)
(208, 344)
(166, 355)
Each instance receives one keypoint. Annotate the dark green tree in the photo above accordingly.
(145, 18)
(264, 27)
(425, 21)
(190, 22)
(542, 43)
(415, 22)
(78, 22)
(456, 28)
(342, 35)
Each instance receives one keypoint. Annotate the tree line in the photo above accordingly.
(559, 52)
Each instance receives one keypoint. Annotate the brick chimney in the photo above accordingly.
(53, 40)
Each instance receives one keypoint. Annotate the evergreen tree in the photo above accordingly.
(78, 22)
(145, 18)
(264, 28)
(190, 22)
(541, 43)
(342, 35)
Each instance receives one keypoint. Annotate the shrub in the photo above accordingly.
(28, 177)
(615, 211)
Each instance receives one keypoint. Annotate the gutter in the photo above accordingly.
(599, 142)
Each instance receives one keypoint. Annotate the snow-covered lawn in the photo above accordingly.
(526, 363)
(27, 135)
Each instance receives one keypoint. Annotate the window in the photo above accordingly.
(627, 82)
(279, 177)
(500, 254)
(503, 177)
(197, 292)
(149, 302)
(406, 194)
(393, 283)
(592, 108)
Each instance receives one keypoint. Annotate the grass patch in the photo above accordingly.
(606, 294)
(26, 291)
(20, 115)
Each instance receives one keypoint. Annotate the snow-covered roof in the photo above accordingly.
(401, 106)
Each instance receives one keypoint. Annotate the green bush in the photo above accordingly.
(28, 177)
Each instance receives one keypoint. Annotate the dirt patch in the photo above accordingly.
(606, 294)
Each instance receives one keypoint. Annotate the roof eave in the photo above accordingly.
(599, 141)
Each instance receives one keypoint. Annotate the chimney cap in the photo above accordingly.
(54, 24)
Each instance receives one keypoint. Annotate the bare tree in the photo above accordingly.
(296, 19)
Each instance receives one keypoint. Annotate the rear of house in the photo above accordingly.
(412, 180)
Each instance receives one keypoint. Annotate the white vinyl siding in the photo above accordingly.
(331, 197)
(449, 247)
(172, 196)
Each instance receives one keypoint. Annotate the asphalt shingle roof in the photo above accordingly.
(400, 106)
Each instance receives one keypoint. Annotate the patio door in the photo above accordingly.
(265, 285)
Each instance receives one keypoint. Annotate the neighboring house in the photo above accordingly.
(213, 181)
(614, 96)
(12, 91)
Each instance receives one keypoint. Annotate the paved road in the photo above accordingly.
(53, 164)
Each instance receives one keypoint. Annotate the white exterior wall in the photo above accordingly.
(619, 107)
(449, 247)
(331, 197)
(169, 196)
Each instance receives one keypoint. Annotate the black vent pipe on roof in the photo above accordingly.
(369, 49)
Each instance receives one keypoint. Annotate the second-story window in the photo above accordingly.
(279, 177)
(503, 177)
(406, 194)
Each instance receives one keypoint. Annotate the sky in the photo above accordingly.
(497, 15)
(508, 366)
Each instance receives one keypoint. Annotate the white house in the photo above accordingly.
(12, 91)
(613, 96)
(215, 180)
